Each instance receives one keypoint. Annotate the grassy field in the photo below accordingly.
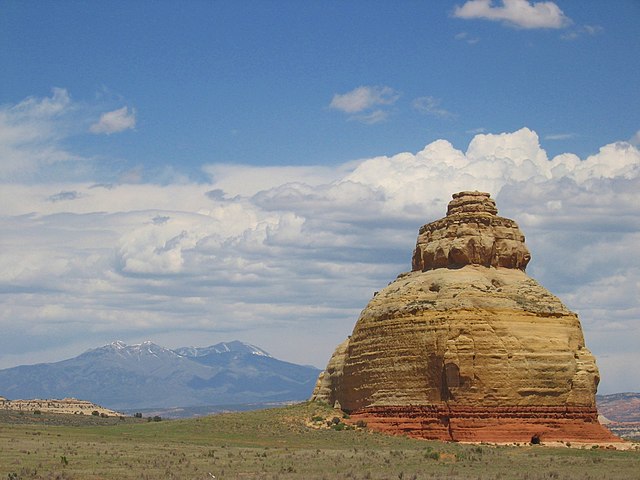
(272, 444)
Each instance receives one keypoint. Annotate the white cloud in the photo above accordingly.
(33, 107)
(250, 179)
(268, 254)
(363, 98)
(35, 134)
(559, 136)
(515, 13)
(362, 103)
(30, 134)
(635, 139)
(115, 121)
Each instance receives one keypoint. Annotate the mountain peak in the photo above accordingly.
(234, 346)
(122, 376)
(145, 348)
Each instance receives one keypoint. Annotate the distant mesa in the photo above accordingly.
(66, 405)
(466, 346)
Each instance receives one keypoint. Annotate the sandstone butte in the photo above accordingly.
(467, 346)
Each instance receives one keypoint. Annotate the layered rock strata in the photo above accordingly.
(466, 346)
(471, 234)
(67, 405)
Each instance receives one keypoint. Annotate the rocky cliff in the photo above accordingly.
(466, 346)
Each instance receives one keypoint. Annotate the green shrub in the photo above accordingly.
(432, 455)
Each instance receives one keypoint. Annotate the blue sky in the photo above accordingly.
(194, 172)
(251, 82)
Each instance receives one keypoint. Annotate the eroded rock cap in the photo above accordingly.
(472, 233)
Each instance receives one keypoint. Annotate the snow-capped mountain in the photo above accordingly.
(147, 375)
(224, 347)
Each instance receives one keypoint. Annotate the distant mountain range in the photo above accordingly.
(146, 375)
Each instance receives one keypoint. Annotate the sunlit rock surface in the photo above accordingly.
(466, 346)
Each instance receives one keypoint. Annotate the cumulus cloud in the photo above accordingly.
(515, 13)
(115, 121)
(286, 257)
(362, 103)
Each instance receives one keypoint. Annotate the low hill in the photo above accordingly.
(146, 375)
(622, 413)
(620, 407)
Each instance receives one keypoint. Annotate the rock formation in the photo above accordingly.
(67, 405)
(466, 346)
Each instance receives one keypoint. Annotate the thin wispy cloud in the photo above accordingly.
(515, 13)
(363, 103)
(34, 135)
(31, 134)
(581, 31)
(560, 136)
(115, 121)
(464, 36)
(431, 106)
(370, 118)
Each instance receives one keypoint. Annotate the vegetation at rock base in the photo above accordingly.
(284, 443)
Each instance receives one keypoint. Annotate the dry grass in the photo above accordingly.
(274, 444)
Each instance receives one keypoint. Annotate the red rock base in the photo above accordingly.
(488, 424)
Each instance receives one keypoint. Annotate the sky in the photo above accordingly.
(204, 171)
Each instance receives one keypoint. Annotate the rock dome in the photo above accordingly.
(467, 346)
